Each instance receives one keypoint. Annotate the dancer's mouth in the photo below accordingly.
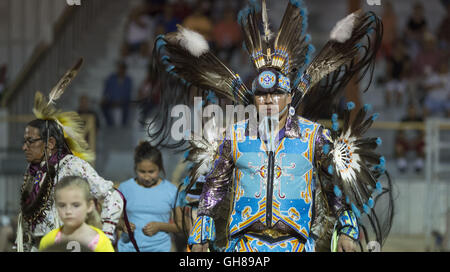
(149, 183)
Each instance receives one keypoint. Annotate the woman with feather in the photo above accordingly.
(55, 147)
(294, 185)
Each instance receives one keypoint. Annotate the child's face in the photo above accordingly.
(72, 206)
(147, 173)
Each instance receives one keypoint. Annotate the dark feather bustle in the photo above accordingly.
(337, 63)
(181, 76)
(360, 191)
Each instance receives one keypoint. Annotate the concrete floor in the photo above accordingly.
(405, 243)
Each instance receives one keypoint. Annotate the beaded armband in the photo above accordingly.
(304, 84)
(202, 231)
(349, 224)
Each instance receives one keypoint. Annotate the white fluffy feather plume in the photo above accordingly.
(345, 158)
(205, 155)
(343, 29)
(192, 41)
(206, 148)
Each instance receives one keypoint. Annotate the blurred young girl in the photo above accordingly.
(81, 221)
(150, 201)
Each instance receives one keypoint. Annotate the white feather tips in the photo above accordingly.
(343, 29)
(267, 33)
(345, 158)
(192, 41)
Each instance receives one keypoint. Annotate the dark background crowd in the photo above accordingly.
(415, 58)
(215, 20)
(416, 61)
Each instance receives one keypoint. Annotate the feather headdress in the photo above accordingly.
(70, 122)
(355, 168)
(289, 51)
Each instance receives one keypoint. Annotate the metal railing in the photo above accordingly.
(437, 175)
(24, 25)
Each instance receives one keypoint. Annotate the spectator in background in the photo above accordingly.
(417, 23)
(415, 29)
(3, 70)
(199, 21)
(155, 7)
(389, 19)
(397, 71)
(227, 35)
(148, 95)
(437, 97)
(428, 56)
(181, 9)
(6, 234)
(117, 93)
(139, 29)
(443, 34)
(168, 20)
(415, 142)
(84, 109)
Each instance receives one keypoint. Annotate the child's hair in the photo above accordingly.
(93, 218)
(145, 151)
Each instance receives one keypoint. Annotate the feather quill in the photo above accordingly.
(265, 19)
(60, 87)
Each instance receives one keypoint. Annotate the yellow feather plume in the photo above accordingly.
(73, 127)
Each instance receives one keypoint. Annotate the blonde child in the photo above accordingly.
(81, 222)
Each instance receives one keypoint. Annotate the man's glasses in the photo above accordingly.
(30, 141)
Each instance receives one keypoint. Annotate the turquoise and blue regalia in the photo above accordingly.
(297, 187)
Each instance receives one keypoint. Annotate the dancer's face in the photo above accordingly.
(73, 206)
(275, 102)
(33, 145)
(147, 173)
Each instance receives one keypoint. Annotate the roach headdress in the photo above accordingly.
(183, 63)
(70, 123)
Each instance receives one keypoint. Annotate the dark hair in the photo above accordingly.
(145, 151)
(51, 129)
(122, 65)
